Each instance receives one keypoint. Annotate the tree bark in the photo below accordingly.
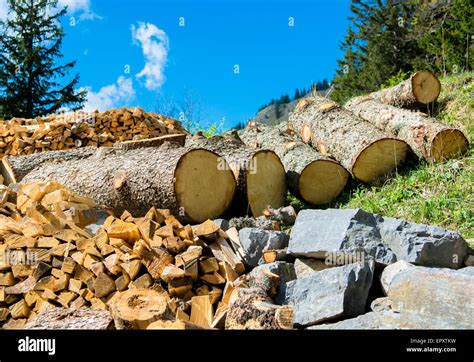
(311, 176)
(186, 181)
(364, 150)
(259, 173)
(417, 91)
(426, 136)
(252, 308)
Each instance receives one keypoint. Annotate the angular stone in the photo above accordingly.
(331, 293)
(423, 244)
(328, 233)
(306, 266)
(285, 270)
(392, 320)
(469, 260)
(222, 223)
(255, 241)
(443, 293)
(390, 271)
(71, 318)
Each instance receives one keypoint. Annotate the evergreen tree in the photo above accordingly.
(30, 46)
(297, 94)
(377, 46)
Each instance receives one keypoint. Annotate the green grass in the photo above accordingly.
(430, 193)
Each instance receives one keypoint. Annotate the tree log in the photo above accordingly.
(260, 175)
(426, 136)
(252, 308)
(138, 308)
(420, 89)
(364, 150)
(190, 183)
(314, 178)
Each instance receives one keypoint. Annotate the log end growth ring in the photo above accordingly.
(322, 181)
(426, 87)
(448, 143)
(379, 158)
(266, 182)
(204, 186)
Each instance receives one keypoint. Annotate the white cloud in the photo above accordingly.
(111, 96)
(81, 7)
(155, 45)
(3, 9)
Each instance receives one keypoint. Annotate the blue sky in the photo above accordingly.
(136, 53)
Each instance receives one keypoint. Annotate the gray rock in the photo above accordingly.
(328, 294)
(223, 223)
(391, 320)
(419, 298)
(285, 270)
(422, 244)
(469, 261)
(255, 241)
(391, 271)
(332, 232)
(305, 266)
(443, 293)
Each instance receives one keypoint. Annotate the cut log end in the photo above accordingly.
(203, 187)
(322, 181)
(447, 144)
(426, 87)
(266, 182)
(379, 158)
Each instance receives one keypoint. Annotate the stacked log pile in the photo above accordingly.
(62, 132)
(149, 272)
(364, 150)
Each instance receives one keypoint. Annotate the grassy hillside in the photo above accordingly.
(439, 194)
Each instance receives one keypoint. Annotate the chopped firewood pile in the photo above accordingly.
(147, 271)
(65, 131)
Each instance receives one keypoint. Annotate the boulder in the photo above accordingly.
(222, 223)
(328, 294)
(305, 266)
(423, 244)
(255, 241)
(332, 233)
(390, 271)
(419, 298)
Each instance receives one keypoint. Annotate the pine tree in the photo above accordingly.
(297, 94)
(377, 46)
(30, 46)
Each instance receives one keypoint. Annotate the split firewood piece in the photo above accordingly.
(192, 254)
(201, 311)
(176, 324)
(259, 173)
(180, 287)
(270, 256)
(224, 253)
(312, 176)
(252, 308)
(123, 230)
(155, 260)
(137, 308)
(363, 149)
(195, 184)
(208, 230)
(417, 91)
(427, 137)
